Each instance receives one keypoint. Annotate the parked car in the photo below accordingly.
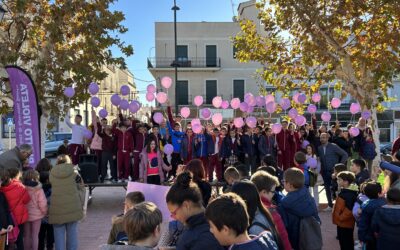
(54, 141)
(386, 148)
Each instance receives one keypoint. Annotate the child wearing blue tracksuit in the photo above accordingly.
(177, 137)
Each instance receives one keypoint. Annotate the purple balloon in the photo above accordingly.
(271, 107)
(366, 114)
(260, 100)
(285, 103)
(125, 90)
(251, 121)
(225, 104)
(124, 104)
(302, 98)
(168, 149)
(296, 97)
(206, 113)
(134, 106)
(93, 88)
(250, 109)
(312, 109)
(355, 108)
(300, 120)
(103, 113)
(158, 117)
(353, 131)
(326, 116)
(312, 162)
(244, 106)
(69, 92)
(276, 128)
(115, 99)
(95, 101)
(251, 101)
(304, 144)
(293, 113)
(87, 134)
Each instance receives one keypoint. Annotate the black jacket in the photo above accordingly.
(197, 235)
(5, 216)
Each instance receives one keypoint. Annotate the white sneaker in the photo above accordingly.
(327, 209)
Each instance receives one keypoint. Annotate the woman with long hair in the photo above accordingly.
(260, 219)
(152, 165)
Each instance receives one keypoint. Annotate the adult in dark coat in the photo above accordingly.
(15, 158)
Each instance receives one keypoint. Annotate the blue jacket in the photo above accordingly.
(227, 147)
(364, 224)
(185, 148)
(247, 145)
(177, 137)
(333, 155)
(201, 145)
(306, 175)
(386, 224)
(197, 235)
(264, 241)
(296, 205)
(267, 145)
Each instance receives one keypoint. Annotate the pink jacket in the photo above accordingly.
(37, 207)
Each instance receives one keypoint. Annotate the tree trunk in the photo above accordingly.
(43, 128)
(375, 135)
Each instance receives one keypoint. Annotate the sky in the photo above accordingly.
(140, 18)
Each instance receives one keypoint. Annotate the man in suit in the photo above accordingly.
(329, 155)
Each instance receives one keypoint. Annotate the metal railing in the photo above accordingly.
(184, 62)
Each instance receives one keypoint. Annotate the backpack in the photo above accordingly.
(312, 178)
(310, 234)
(368, 151)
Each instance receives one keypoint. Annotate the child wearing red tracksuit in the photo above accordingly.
(125, 148)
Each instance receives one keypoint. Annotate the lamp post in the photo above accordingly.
(175, 64)
(2, 13)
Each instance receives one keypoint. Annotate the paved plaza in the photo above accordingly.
(106, 202)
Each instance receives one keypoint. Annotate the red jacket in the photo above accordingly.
(17, 197)
(278, 223)
(139, 138)
(125, 140)
(396, 146)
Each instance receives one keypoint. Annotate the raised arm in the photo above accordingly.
(67, 119)
(169, 113)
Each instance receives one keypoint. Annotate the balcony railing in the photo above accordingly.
(184, 62)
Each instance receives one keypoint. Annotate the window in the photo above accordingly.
(182, 52)
(238, 89)
(211, 55)
(182, 92)
(211, 90)
(235, 50)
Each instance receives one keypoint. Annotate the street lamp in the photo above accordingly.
(175, 64)
(2, 13)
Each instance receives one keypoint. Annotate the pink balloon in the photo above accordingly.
(69, 92)
(166, 82)
(276, 128)
(293, 113)
(269, 98)
(355, 108)
(225, 104)
(151, 88)
(103, 113)
(300, 120)
(217, 101)
(366, 114)
(158, 117)
(206, 113)
(316, 97)
(95, 101)
(161, 97)
(312, 109)
(235, 103)
(238, 122)
(296, 97)
(326, 116)
(353, 131)
(150, 96)
(285, 103)
(302, 98)
(247, 96)
(115, 99)
(198, 100)
(336, 103)
(124, 104)
(217, 119)
(185, 112)
(260, 101)
(93, 88)
(197, 128)
(244, 107)
(251, 121)
(271, 107)
(124, 90)
(168, 149)
(196, 121)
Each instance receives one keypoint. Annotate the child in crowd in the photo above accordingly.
(229, 221)
(310, 153)
(17, 197)
(242, 169)
(342, 212)
(151, 168)
(37, 209)
(125, 148)
(373, 191)
(296, 205)
(6, 222)
(336, 170)
(300, 162)
(361, 198)
(278, 194)
(386, 222)
(231, 175)
(359, 169)
(117, 233)
(143, 227)
(266, 185)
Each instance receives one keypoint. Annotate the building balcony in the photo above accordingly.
(184, 63)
